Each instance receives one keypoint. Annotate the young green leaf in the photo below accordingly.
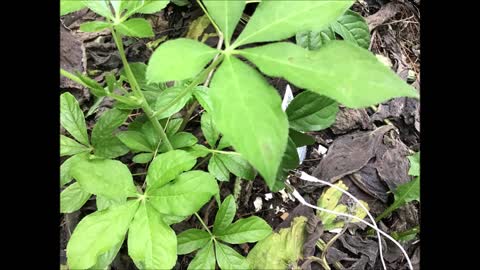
(352, 27)
(97, 233)
(245, 230)
(218, 169)
(104, 203)
(143, 158)
(69, 6)
(205, 259)
(72, 119)
(94, 26)
(180, 140)
(237, 165)
(226, 15)
(277, 20)
(228, 258)
(178, 59)
(73, 198)
(166, 97)
(209, 130)
(225, 215)
(152, 6)
(185, 195)
(344, 72)
(300, 139)
(254, 123)
(152, 241)
(137, 27)
(191, 240)
(312, 40)
(165, 167)
(198, 150)
(107, 258)
(414, 164)
(108, 178)
(201, 94)
(101, 7)
(103, 140)
(311, 112)
(65, 176)
(403, 194)
(69, 147)
(173, 126)
(135, 141)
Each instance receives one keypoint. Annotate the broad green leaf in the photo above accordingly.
(65, 176)
(137, 27)
(185, 195)
(108, 178)
(209, 130)
(198, 150)
(73, 198)
(205, 259)
(300, 139)
(340, 70)
(97, 233)
(101, 7)
(353, 28)
(224, 143)
(180, 140)
(94, 26)
(104, 141)
(135, 141)
(72, 119)
(228, 258)
(404, 194)
(310, 111)
(191, 240)
(225, 215)
(168, 96)
(282, 249)
(277, 20)
(70, 147)
(173, 126)
(69, 6)
(290, 161)
(218, 169)
(178, 59)
(107, 258)
(312, 40)
(330, 200)
(153, 6)
(201, 94)
(245, 230)
(165, 167)
(104, 203)
(237, 165)
(142, 158)
(248, 111)
(414, 164)
(149, 132)
(226, 15)
(151, 240)
(169, 219)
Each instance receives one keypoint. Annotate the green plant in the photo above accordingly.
(242, 111)
(249, 230)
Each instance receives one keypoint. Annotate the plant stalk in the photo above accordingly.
(203, 223)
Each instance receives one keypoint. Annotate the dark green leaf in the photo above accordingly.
(353, 28)
(209, 130)
(173, 126)
(201, 94)
(178, 59)
(191, 240)
(312, 40)
(237, 165)
(168, 96)
(218, 169)
(73, 198)
(137, 27)
(103, 138)
(403, 194)
(248, 111)
(108, 178)
(225, 215)
(97, 233)
(290, 161)
(300, 139)
(310, 111)
(72, 119)
(344, 72)
(165, 167)
(245, 230)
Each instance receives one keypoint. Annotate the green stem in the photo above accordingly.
(322, 245)
(72, 77)
(225, 152)
(137, 92)
(203, 223)
(220, 34)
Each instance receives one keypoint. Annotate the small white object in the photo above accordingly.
(322, 150)
(268, 196)
(287, 98)
(258, 203)
(278, 210)
(271, 206)
(337, 231)
(286, 196)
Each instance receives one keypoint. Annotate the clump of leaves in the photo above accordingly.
(247, 230)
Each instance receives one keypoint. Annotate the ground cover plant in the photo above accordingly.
(320, 47)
